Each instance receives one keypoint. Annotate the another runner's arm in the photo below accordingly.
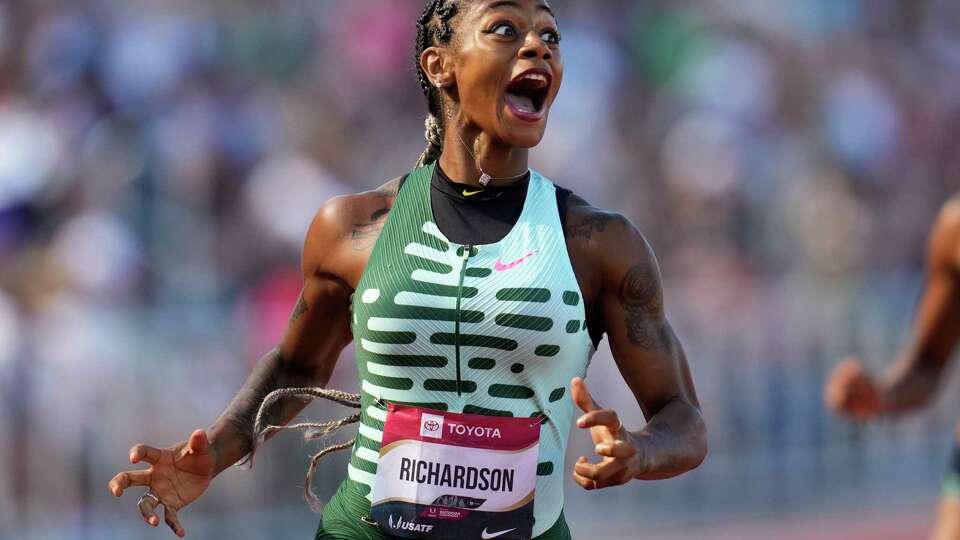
(913, 380)
(318, 330)
(648, 354)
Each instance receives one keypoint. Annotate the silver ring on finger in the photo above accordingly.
(151, 495)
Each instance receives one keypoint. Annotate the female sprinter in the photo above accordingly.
(475, 291)
(912, 382)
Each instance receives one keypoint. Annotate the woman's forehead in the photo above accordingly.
(522, 5)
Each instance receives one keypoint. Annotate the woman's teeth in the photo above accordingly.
(534, 77)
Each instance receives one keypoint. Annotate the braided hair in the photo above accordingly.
(433, 28)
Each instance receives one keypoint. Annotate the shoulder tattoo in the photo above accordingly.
(364, 235)
(595, 222)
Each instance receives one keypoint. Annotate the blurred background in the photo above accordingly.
(160, 162)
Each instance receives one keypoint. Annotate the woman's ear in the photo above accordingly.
(435, 64)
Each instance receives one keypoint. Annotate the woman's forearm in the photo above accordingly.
(231, 436)
(911, 383)
(673, 442)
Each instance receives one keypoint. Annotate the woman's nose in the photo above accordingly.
(535, 47)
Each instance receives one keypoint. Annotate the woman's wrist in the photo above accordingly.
(227, 445)
(641, 462)
(662, 452)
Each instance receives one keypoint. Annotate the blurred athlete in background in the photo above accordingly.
(912, 381)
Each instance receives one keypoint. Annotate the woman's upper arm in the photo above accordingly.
(643, 343)
(319, 326)
(938, 317)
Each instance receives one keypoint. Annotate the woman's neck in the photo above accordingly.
(464, 148)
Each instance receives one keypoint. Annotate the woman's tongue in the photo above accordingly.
(521, 103)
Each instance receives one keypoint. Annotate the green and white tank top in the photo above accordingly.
(496, 329)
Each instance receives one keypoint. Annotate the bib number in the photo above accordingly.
(456, 476)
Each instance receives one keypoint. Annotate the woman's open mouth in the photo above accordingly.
(526, 95)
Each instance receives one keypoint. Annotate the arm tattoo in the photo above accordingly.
(586, 227)
(642, 298)
(300, 309)
(364, 235)
(271, 373)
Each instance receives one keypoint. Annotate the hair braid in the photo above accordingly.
(433, 28)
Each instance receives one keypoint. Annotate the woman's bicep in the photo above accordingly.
(319, 324)
(643, 343)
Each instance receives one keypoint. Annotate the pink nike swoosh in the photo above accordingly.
(500, 267)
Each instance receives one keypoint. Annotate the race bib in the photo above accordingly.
(456, 476)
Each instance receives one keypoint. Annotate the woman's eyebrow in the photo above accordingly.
(513, 3)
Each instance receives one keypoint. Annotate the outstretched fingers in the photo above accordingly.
(170, 517)
(604, 417)
(581, 395)
(616, 449)
(142, 452)
(122, 481)
(147, 505)
(583, 481)
(609, 472)
(198, 442)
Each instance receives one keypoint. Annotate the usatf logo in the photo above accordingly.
(431, 425)
(408, 525)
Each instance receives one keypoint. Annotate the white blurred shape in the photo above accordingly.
(30, 153)
(831, 223)
(285, 191)
(700, 154)
(82, 348)
(185, 145)
(862, 119)
(96, 251)
(734, 77)
(146, 58)
(9, 330)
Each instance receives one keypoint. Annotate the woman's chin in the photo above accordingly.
(522, 128)
(524, 134)
(522, 139)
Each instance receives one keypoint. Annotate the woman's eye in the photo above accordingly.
(504, 29)
(551, 37)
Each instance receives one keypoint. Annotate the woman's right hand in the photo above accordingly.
(177, 476)
(850, 390)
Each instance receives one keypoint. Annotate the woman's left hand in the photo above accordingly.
(621, 461)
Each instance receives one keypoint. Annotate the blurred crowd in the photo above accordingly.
(160, 162)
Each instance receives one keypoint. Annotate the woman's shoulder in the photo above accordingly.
(345, 227)
(602, 243)
(340, 216)
(587, 223)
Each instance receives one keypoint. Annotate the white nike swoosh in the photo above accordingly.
(487, 536)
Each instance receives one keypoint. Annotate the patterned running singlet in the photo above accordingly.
(496, 329)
